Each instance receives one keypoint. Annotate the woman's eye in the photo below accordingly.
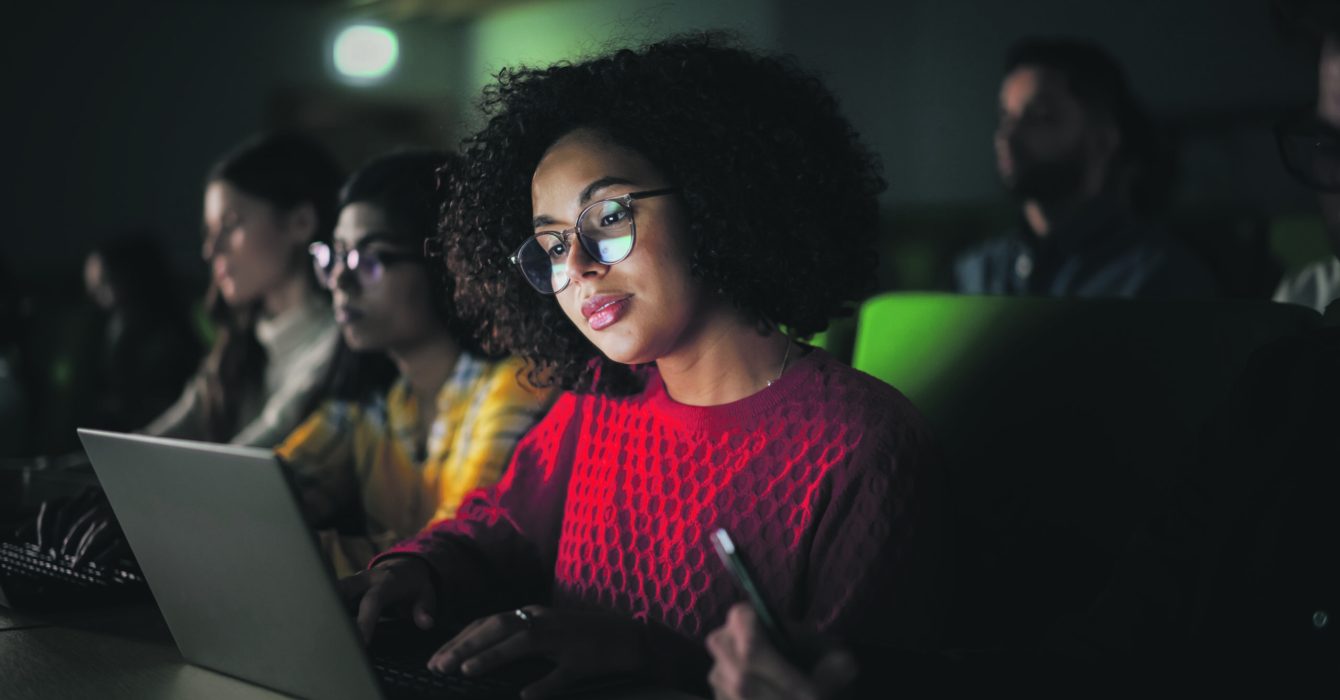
(613, 218)
(558, 251)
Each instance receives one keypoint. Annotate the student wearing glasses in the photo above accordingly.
(417, 414)
(648, 229)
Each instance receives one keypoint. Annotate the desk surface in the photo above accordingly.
(13, 619)
(120, 654)
(129, 653)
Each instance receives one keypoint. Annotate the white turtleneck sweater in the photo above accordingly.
(299, 346)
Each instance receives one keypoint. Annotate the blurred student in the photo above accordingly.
(1237, 574)
(1076, 150)
(265, 203)
(149, 347)
(417, 415)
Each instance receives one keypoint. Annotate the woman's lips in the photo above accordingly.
(604, 310)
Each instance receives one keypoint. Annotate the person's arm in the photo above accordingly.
(284, 409)
(184, 419)
(499, 415)
(747, 666)
(877, 561)
(873, 578)
(499, 550)
(320, 456)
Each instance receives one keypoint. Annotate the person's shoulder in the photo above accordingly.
(1163, 265)
(885, 430)
(980, 268)
(566, 411)
(1001, 246)
(511, 373)
(861, 399)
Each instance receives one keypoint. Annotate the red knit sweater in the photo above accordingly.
(824, 480)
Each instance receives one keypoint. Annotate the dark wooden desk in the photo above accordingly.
(128, 654)
(13, 619)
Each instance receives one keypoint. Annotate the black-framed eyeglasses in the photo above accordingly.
(368, 264)
(1310, 150)
(606, 231)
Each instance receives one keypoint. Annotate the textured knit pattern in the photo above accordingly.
(366, 451)
(821, 479)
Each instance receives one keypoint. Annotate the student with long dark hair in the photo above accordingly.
(671, 215)
(418, 415)
(149, 347)
(265, 203)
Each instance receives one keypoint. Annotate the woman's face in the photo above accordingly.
(96, 283)
(392, 311)
(252, 247)
(647, 306)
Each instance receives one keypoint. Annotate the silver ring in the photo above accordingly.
(526, 618)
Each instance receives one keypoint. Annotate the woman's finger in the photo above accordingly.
(352, 588)
(518, 646)
(732, 682)
(720, 645)
(477, 637)
(425, 607)
(374, 600)
(761, 659)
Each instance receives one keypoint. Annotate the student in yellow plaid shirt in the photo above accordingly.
(416, 415)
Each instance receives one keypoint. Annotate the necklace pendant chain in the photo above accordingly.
(785, 356)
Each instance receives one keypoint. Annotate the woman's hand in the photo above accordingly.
(395, 584)
(748, 667)
(581, 644)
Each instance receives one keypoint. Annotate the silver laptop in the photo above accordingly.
(236, 571)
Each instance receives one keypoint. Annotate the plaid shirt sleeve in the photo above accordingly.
(503, 408)
(320, 455)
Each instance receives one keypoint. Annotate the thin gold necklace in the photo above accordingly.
(785, 356)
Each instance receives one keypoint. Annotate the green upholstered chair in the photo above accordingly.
(1063, 424)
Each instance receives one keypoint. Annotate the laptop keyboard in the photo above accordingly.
(410, 679)
(36, 580)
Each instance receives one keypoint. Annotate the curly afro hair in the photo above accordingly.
(779, 192)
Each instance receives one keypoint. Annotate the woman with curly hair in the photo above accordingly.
(641, 227)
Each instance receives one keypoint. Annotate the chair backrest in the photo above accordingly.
(1063, 423)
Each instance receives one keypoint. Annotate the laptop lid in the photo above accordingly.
(237, 573)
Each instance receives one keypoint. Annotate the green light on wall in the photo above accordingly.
(366, 53)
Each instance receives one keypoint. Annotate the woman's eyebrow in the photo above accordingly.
(600, 184)
(587, 193)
